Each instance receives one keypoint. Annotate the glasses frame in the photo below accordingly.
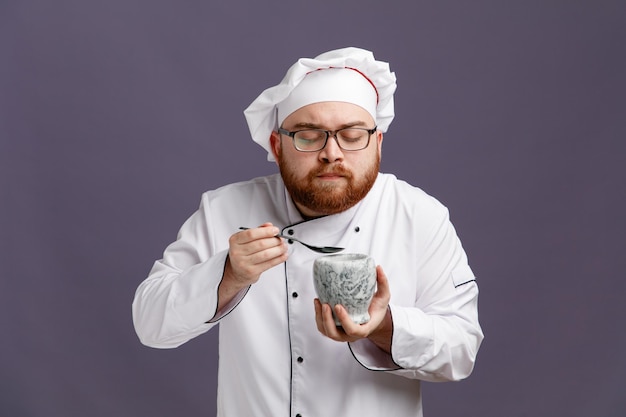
(329, 133)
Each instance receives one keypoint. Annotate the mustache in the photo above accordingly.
(333, 169)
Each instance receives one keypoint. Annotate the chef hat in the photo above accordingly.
(349, 74)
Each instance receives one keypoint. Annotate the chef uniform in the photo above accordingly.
(273, 360)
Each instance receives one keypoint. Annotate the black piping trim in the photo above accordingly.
(466, 282)
(289, 335)
(380, 370)
(211, 320)
(370, 369)
(301, 222)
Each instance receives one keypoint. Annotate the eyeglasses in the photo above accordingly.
(313, 140)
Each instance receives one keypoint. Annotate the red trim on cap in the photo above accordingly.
(353, 69)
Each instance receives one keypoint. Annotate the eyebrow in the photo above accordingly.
(308, 125)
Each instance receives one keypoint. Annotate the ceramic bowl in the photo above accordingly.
(348, 279)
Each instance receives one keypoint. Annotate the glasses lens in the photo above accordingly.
(310, 140)
(353, 139)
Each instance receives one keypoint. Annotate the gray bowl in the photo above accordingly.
(348, 279)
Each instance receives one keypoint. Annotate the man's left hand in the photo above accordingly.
(378, 329)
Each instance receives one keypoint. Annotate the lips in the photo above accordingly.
(336, 172)
(330, 175)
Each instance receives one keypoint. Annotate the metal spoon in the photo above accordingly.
(320, 249)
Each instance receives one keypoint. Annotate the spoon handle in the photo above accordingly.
(320, 249)
(278, 235)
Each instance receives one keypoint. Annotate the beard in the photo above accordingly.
(328, 198)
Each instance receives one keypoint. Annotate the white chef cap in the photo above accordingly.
(356, 77)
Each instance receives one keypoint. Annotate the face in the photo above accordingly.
(331, 180)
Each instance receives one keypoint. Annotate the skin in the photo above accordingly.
(333, 174)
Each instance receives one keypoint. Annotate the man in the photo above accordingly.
(281, 353)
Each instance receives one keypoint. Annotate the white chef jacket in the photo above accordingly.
(272, 359)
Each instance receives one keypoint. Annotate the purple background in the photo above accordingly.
(116, 115)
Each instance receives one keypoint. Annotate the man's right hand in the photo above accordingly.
(251, 252)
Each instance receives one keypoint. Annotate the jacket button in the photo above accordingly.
(300, 359)
(294, 294)
(290, 231)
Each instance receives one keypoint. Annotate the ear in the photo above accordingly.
(379, 140)
(275, 144)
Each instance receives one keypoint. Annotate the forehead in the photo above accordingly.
(330, 114)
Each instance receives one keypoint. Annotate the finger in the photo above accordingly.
(266, 253)
(383, 293)
(334, 331)
(319, 322)
(249, 260)
(248, 243)
(270, 263)
(266, 230)
(328, 322)
(352, 330)
(343, 317)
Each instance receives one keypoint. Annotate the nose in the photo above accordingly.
(331, 152)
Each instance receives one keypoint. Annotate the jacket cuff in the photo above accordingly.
(371, 356)
(224, 311)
